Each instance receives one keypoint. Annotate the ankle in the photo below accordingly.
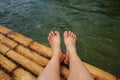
(71, 48)
(57, 53)
(74, 58)
(56, 56)
(72, 51)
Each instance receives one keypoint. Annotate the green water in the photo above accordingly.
(96, 23)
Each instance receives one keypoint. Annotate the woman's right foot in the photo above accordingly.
(54, 41)
(70, 42)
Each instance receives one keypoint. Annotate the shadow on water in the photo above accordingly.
(95, 22)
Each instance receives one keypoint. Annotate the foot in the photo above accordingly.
(70, 42)
(54, 41)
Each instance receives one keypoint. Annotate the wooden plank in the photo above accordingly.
(3, 48)
(99, 74)
(32, 55)
(43, 50)
(20, 38)
(20, 74)
(64, 72)
(28, 64)
(10, 43)
(7, 64)
(4, 76)
(4, 30)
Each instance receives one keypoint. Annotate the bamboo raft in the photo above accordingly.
(22, 58)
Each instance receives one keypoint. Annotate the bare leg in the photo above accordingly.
(52, 70)
(77, 69)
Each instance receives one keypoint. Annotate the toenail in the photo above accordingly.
(56, 31)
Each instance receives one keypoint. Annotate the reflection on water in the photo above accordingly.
(96, 23)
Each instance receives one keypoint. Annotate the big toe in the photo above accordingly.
(57, 33)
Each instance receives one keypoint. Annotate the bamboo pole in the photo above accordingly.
(10, 43)
(32, 55)
(4, 30)
(28, 64)
(7, 64)
(99, 74)
(4, 76)
(21, 74)
(3, 48)
(19, 38)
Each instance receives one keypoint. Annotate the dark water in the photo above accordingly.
(96, 23)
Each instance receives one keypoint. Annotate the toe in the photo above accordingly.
(52, 33)
(72, 34)
(57, 33)
(65, 34)
(49, 36)
(69, 33)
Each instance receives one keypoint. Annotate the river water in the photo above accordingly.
(95, 22)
